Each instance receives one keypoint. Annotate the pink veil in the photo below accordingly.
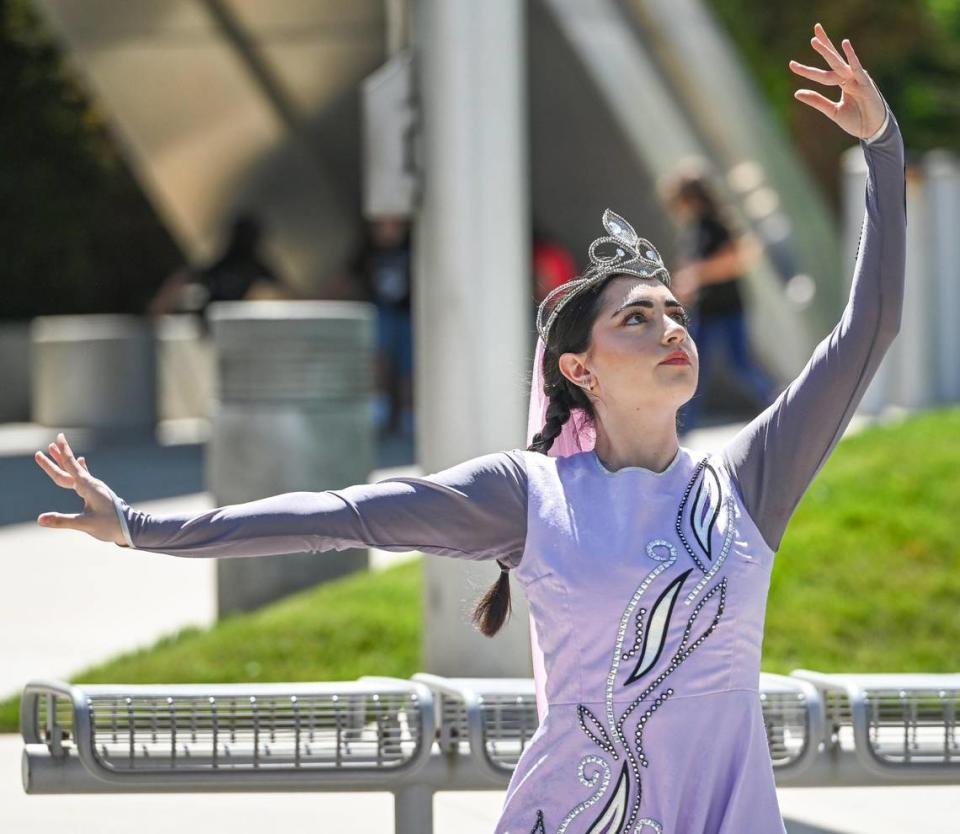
(577, 435)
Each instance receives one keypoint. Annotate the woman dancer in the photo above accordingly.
(646, 569)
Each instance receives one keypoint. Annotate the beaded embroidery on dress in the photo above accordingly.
(642, 660)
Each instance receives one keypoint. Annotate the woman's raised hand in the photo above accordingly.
(860, 111)
(99, 518)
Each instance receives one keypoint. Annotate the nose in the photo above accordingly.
(674, 331)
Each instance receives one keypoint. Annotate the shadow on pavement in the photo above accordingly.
(140, 470)
(794, 827)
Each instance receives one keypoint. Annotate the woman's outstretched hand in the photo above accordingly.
(99, 518)
(860, 111)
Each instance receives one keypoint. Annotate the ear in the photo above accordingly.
(573, 367)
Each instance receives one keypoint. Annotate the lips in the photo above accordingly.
(678, 357)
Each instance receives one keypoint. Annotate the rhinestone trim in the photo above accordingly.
(589, 782)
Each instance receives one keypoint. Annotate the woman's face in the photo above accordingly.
(639, 325)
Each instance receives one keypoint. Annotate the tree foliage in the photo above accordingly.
(77, 233)
(911, 48)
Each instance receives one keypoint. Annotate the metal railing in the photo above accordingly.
(416, 737)
(901, 727)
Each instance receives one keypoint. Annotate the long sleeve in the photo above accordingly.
(776, 456)
(475, 510)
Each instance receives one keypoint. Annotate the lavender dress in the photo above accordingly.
(648, 588)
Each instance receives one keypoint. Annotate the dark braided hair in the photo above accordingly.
(570, 333)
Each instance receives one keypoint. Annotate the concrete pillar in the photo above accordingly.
(185, 368)
(292, 413)
(15, 371)
(942, 173)
(913, 350)
(471, 294)
(94, 372)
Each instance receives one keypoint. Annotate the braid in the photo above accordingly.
(494, 607)
(492, 610)
(558, 412)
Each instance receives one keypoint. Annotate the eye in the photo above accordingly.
(682, 317)
(633, 316)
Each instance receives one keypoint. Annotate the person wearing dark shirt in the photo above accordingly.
(230, 277)
(383, 267)
(711, 266)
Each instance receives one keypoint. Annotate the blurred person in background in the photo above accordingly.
(711, 263)
(239, 273)
(382, 269)
(553, 265)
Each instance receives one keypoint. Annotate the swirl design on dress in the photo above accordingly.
(678, 524)
(683, 651)
(724, 550)
(602, 740)
(657, 628)
(603, 771)
(666, 561)
(611, 817)
(706, 508)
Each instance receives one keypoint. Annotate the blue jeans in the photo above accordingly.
(395, 338)
(728, 332)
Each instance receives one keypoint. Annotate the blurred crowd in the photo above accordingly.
(711, 258)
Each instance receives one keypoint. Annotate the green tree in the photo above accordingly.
(911, 48)
(77, 233)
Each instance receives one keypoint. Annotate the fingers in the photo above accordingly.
(821, 76)
(57, 475)
(66, 521)
(824, 105)
(851, 55)
(821, 33)
(83, 462)
(836, 63)
(64, 469)
(71, 465)
(56, 453)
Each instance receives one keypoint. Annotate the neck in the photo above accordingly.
(651, 443)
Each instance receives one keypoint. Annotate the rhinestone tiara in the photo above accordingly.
(621, 252)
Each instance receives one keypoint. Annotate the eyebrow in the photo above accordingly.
(645, 303)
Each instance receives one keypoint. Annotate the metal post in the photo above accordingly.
(413, 809)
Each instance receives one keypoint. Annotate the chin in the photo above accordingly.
(683, 390)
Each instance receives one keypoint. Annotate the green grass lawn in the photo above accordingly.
(867, 580)
(364, 624)
(868, 575)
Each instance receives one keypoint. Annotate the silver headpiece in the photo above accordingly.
(626, 253)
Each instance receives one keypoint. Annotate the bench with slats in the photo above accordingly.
(416, 737)
(901, 727)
